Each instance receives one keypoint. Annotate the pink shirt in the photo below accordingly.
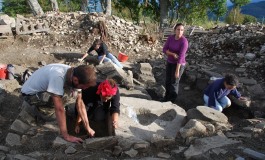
(179, 46)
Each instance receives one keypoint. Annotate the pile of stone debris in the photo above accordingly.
(147, 129)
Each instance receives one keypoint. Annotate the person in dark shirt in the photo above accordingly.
(99, 101)
(215, 95)
(103, 54)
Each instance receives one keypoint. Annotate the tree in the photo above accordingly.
(218, 8)
(164, 4)
(249, 19)
(108, 7)
(35, 7)
(84, 5)
(13, 7)
(239, 3)
(191, 10)
(230, 19)
(134, 6)
(54, 5)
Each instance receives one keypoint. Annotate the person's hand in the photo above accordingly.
(91, 132)
(177, 74)
(80, 59)
(77, 129)
(100, 63)
(175, 56)
(115, 124)
(73, 139)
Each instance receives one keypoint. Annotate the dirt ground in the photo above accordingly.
(30, 55)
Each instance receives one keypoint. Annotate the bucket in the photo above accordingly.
(122, 57)
(3, 73)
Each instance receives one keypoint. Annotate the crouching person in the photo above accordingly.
(46, 87)
(97, 107)
(215, 95)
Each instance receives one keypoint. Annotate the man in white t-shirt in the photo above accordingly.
(48, 84)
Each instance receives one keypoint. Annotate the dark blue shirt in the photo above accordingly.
(216, 90)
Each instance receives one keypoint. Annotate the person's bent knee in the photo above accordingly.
(219, 108)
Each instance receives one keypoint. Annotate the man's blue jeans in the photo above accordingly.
(94, 6)
(220, 104)
(110, 58)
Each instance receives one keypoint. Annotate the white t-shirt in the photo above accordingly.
(49, 78)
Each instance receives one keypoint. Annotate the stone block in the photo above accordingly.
(19, 126)
(9, 85)
(203, 145)
(145, 67)
(193, 128)
(5, 30)
(13, 139)
(101, 143)
(206, 114)
(118, 74)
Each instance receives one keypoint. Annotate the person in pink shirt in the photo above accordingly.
(175, 49)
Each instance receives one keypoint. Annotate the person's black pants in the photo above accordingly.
(172, 83)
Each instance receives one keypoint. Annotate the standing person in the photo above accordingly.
(103, 54)
(46, 86)
(100, 100)
(175, 48)
(215, 95)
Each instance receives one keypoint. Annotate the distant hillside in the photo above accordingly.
(255, 9)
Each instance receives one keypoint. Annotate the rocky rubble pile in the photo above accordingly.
(242, 47)
(78, 30)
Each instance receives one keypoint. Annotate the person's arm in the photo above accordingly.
(81, 109)
(177, 70)
(183, 50)
(83, 57)
(86, 54)
(61, 119)
(166, 49)
(115, 109)
(175, 55)
(235, 93)
(115, 118)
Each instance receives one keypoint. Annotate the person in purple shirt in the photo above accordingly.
(215, 95)
(175, 48)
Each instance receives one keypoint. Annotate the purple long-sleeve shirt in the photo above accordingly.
(179, 46)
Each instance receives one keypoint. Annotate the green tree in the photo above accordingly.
(164, 5)
(239, 3)
(192, 10)
(239, 17)
(134, 6)
(218, 8)
(13, 7)
(249, 19)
